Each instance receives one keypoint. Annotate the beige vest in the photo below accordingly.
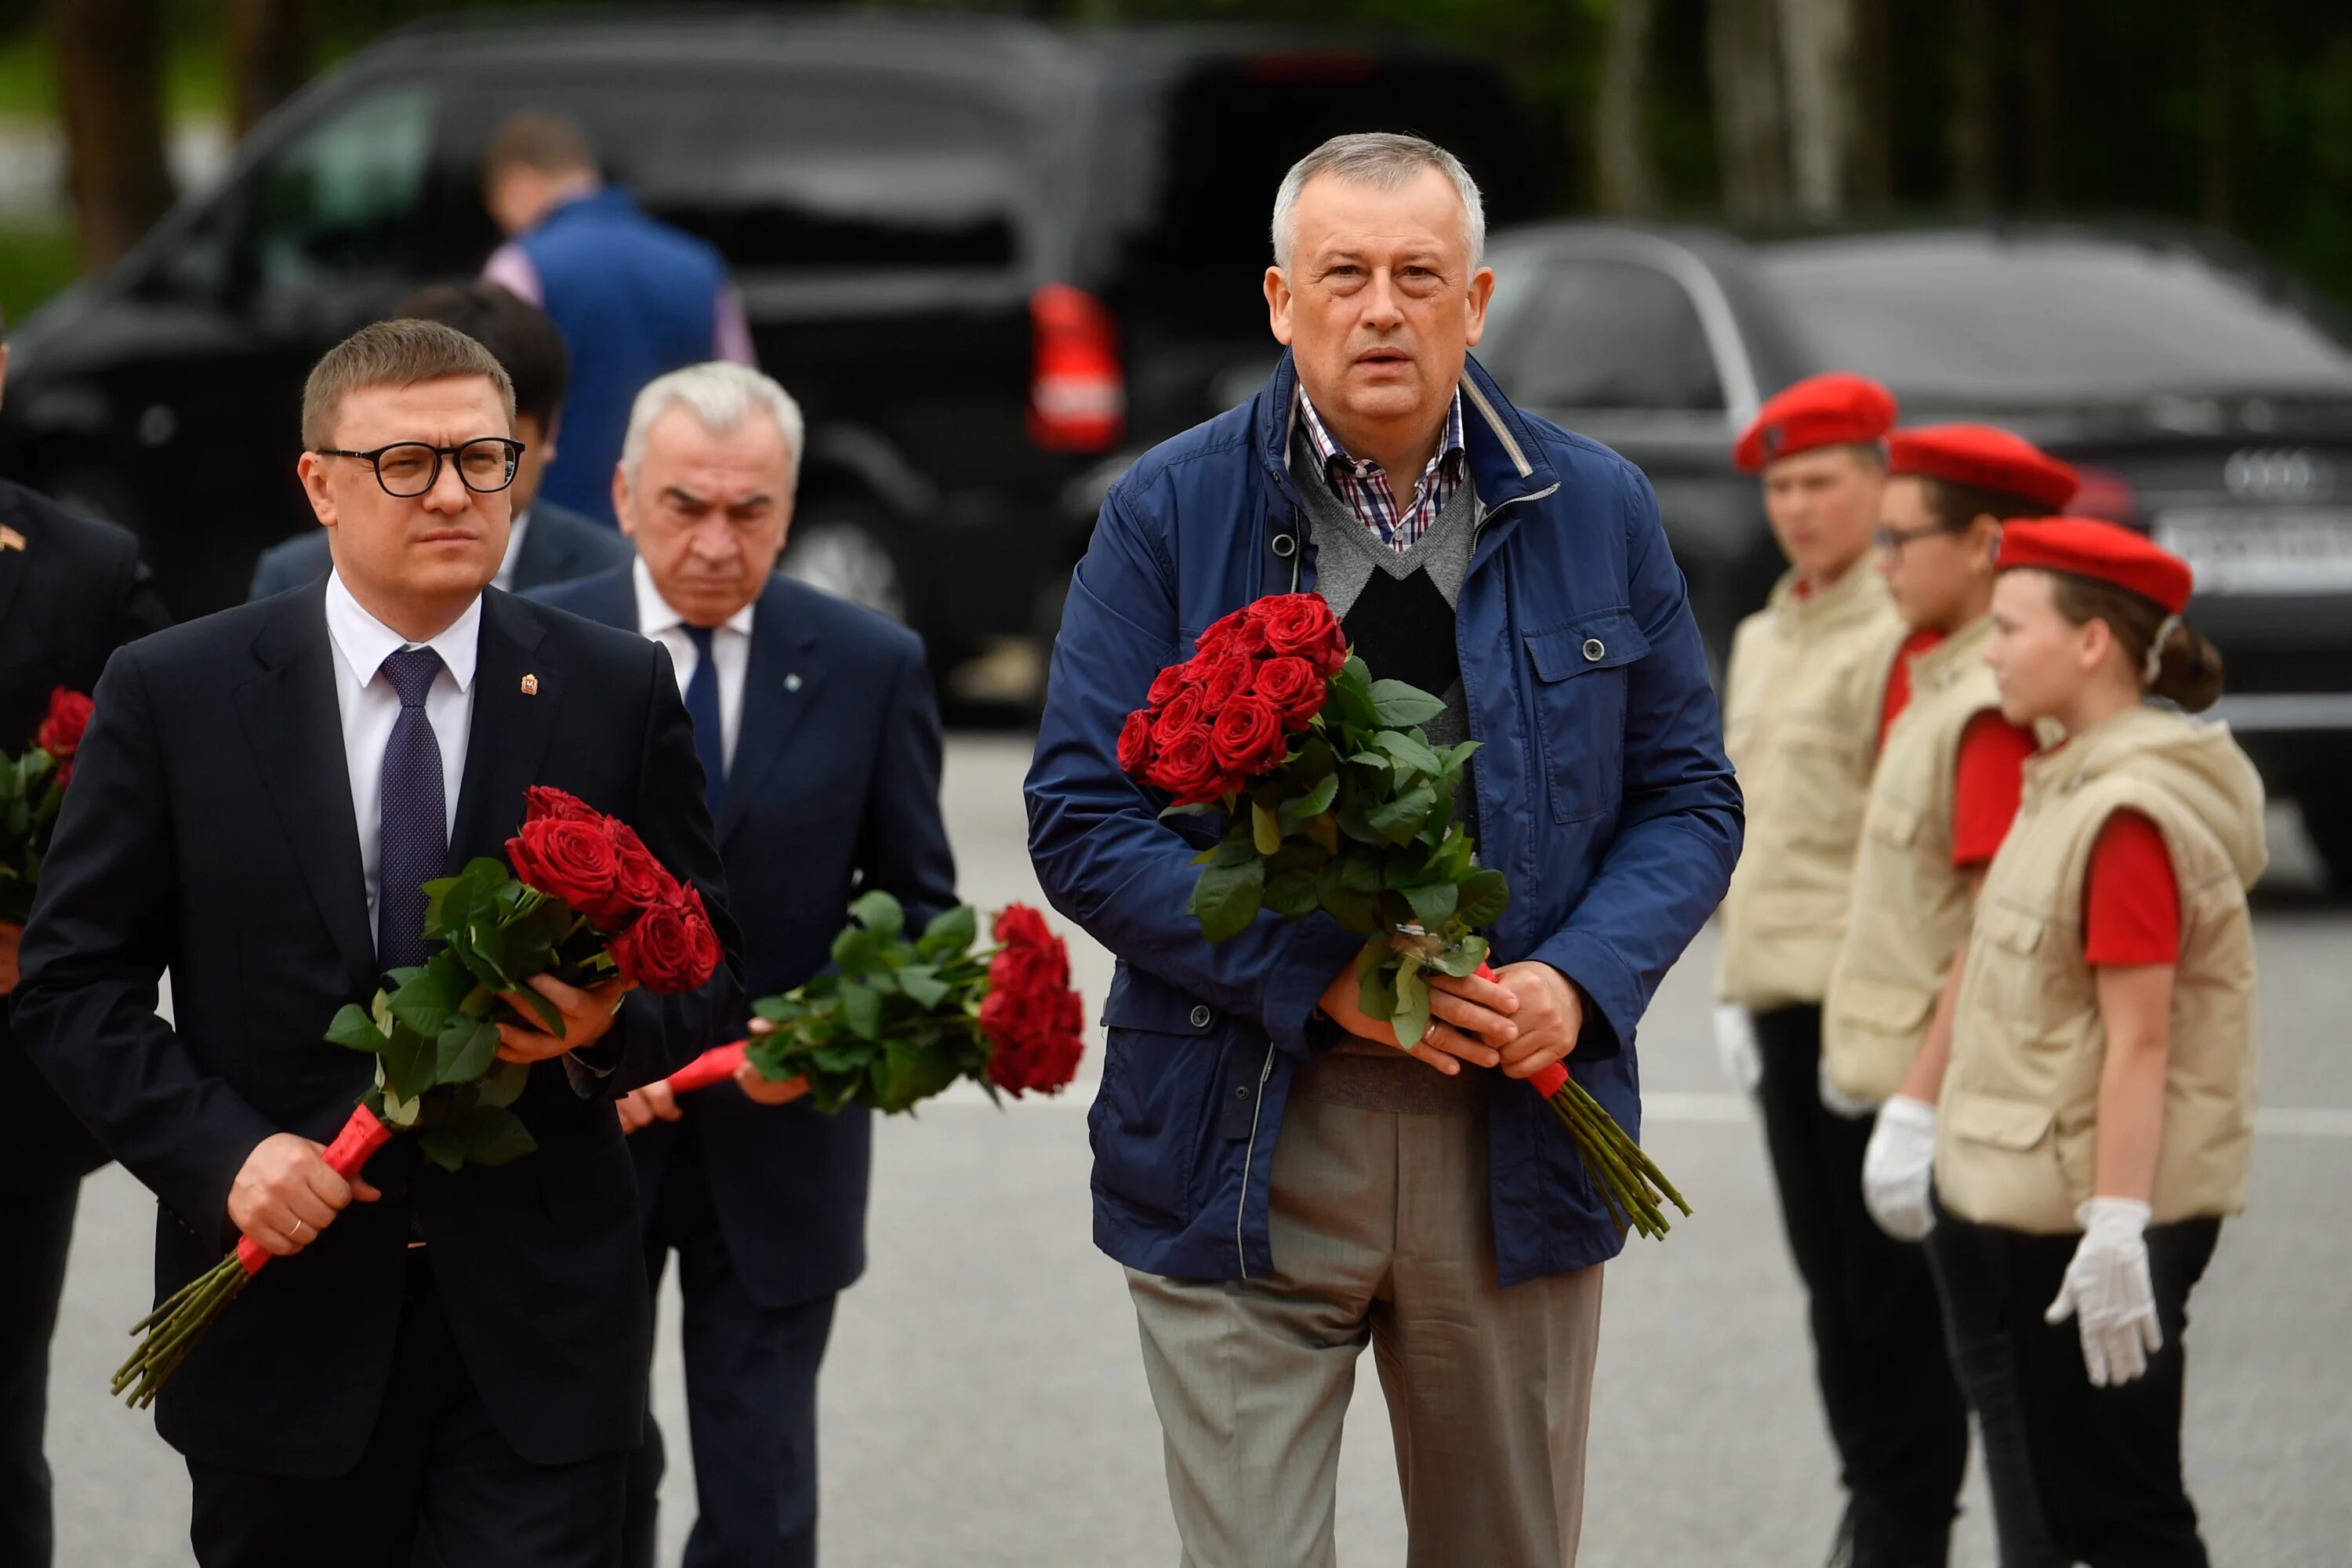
(1807, 680)
(2017, 1138)
(1910, 909)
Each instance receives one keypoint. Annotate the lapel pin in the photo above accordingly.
(10, 539)
(530, 686)
(791, 683)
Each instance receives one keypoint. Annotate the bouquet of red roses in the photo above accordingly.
(32, 789)
(896, 1021)
(1335, 800)
(584, 901)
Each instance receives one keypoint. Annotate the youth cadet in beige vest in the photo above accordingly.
(1946, 788)
(1806, 686)
(2098, 1113)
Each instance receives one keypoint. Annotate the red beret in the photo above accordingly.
(1835, 409)
(1984, 457)
(2104, 551)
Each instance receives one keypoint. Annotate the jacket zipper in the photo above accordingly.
(1249, 1157)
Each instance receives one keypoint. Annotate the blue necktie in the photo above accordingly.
(702, 706)
(412, 818)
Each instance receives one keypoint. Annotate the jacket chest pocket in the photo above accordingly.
(1891, 823)
(1582, 671)
(2023, 979)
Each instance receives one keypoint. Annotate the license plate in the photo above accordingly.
(2276, 551)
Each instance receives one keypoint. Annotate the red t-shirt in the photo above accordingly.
(2131, 903)
(1898, 679)
(1989, 776)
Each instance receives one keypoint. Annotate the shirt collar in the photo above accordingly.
(365, 642)
(655, 616)
(1328, 451)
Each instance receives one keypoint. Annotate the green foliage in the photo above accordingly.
(29, 800)
(895, 1022)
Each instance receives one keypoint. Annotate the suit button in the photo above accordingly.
(1201, 1017)
(1594, 650)
(1241, 1092)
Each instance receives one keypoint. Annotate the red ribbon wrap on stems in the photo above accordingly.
(362, 1136)
(715, 1065)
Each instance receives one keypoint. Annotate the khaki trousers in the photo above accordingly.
(1382, 1234)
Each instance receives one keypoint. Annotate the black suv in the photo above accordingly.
(2204, 396)
(988, 256)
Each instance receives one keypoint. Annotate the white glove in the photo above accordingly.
(1896, 1166)
(1735, 1043)
(1836, 1101)
(2107, 1292)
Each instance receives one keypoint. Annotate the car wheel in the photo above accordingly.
(2329, 829)
(845, 556)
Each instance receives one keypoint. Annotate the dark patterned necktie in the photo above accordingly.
(414, 831)
(702, 706)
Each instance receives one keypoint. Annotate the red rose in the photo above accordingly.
(1185, 765)
(540, 803)
(1169, 681)
(61, 729)
(1228, 679)
(1237, 632)
(639, 881)
(1135, 743)
(1292, 685)
(1033, 1020)
(1181, 713)
(1303, 624)
(671, 948)
(1248, 738)
(573, 861)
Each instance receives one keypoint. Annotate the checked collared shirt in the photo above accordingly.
(1364, 485)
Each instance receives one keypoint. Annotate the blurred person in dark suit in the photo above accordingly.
(72, 590)
(453, 1371)
(821, 743)
(547, 544)
(633, 297)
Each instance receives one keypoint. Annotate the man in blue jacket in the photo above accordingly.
(633, 297)
(1283, 1185)
(820, 744)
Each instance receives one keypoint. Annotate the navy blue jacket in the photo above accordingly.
(835, 789)
(1603, 794)
(558, 545)
(633, 299)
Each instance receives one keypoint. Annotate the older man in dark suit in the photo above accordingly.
(547, 544)
(821, 743)
(454, 1370)
(71, 591)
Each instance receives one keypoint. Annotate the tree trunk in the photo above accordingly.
(109, 88)
(1873, 175)
(1970, 134)
(1743, 57)
(1817, 53)
(1624, 159)
(269, 55)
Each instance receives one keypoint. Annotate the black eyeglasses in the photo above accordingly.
(1893, 540)
(485, 465)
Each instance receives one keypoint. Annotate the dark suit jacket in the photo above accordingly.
(73, 594)
(209, 829)
(558, 545)
(835, 789)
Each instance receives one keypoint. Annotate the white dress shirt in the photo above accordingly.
(371, 707)
(730, 650)
(515, 531)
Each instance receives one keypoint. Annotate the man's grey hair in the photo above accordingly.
(720, 394)
(1387, 162)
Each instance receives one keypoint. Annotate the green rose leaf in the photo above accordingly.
(1225, 900)
(1433, 904)
(1483, 897)
(1409, 751)
(464, 1049)
(1463, 958)
(1293, 894)
(502, 1085)
(1299, 810)
(923, 987)
(1411, 1018)
(855, 949)
(1398, 820)
(880, 914)
(354, 1028)
(442, 1146)
(1401, 707)
(1266, 834)
(1376, 992)
(861, 1009)
(407, 1061)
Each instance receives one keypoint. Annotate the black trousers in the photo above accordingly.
(1971, 1265)
(1893, 1410)
(2106, 1461)
(41, 1226)
(436, 1488)
(750, 1395)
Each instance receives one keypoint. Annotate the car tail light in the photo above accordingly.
(2105, 494)
(1078, 391)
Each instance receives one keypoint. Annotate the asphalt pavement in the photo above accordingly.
(984, 1403)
